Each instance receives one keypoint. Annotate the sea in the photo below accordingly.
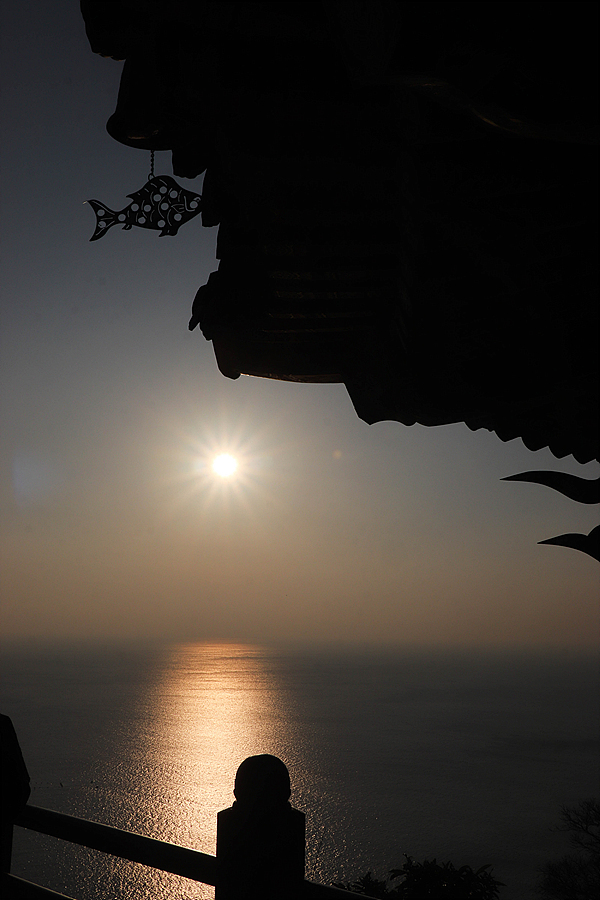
(455, 755)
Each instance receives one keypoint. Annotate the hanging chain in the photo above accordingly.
(151, 175)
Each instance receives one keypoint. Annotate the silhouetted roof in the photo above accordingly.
(406, 196)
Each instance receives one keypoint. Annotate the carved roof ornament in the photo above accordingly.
(582, 490)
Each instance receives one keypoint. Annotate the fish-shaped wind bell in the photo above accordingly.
(160, 204)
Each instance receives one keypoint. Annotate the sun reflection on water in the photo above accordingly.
(212, 706)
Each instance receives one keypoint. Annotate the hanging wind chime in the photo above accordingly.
(161, 205)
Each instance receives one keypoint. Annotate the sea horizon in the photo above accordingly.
(417, 751)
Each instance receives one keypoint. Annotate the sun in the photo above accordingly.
(224, 465)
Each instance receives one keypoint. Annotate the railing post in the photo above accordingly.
(260, 839)
(15, 788)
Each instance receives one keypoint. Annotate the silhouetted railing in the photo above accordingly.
(135, 847)
(260, 840)
(124, 844)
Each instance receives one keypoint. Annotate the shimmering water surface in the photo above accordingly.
(459, 756)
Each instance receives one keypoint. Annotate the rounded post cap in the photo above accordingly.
(262, 779)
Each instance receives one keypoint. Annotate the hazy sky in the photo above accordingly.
(113, 524)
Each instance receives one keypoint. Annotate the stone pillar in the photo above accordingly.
(260, 839)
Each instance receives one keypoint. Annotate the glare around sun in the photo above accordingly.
(224, 465)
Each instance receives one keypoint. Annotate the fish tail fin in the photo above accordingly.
(105, 218)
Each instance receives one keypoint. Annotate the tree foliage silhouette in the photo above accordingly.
(575, 876)
(430, 879)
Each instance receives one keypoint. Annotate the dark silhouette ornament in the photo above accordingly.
(161, 205)
(586, 543)
(582, 490)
